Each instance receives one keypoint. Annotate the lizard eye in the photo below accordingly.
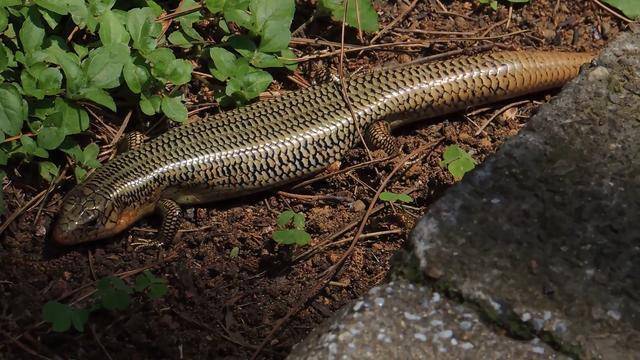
(91, 220)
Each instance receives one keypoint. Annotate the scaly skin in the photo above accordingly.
(270, 143)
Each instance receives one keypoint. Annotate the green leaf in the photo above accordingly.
(4, 19)
(174, 108)
(70, 64)
(262, 60)
(234, 252)
(99, 7)
(460, 167)
(250, 85)
(71, 148)
(51, 18)
(150, 105)
(82, 51)
(80, 174)
(60, 7)
(113, 293)
(178, 38)
(4, 57)
(393, 197)
(157, 287)
(285, 218)
(50, 138)
(214, 6)
(264, 11)
(79, 318)
(224, 26)
(80, 14)
(73, 119)
(143, 28)
(274, 37)
(243, 45)
(286, 57)
(59, 315)
(631, 8)
(29, 146)
(155, 8)
(90, 156)
(160, 58)
(40, 80)
(48, 170)
(142, 282)
(112, 30)
(156, 291)
(272, 20)
(367, 19)
(32, 31)
(187, 21)
(7, 3)
(180, 72)
(291, 236)
(98, 96)
(236, 11)
(224, 62)
(136, 75)
(298, 221)
(4, 158)
(457, 161)
(166, 67)
(13, 110)
(104, 65)
(291, 217)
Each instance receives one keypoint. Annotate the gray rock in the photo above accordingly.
(544, 237)
(404, 321)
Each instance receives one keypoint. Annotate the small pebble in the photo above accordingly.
(421, 337)
(466, 345)
(358, 206)
(538, 349)
(614, 314)
(410, 316)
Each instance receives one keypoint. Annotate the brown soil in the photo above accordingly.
(224, 307)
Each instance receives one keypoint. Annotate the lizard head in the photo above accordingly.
(88, 214)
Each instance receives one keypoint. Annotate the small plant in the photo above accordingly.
(265, 45)
(154, 287)
(457, 161)
(291, 229)
(234, 252)
(360, 13)
(62, 316)
(112, 293)
(631, 8)
(391, 197)
(494, 3)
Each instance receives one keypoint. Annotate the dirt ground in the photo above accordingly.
(219, 306)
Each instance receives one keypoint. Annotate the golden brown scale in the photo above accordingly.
(270, 143)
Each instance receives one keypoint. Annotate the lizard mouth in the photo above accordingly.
(67, 232)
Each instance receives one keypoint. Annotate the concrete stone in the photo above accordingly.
(544, 237)
(405, 321)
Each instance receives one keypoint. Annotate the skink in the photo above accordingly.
(274, 142)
